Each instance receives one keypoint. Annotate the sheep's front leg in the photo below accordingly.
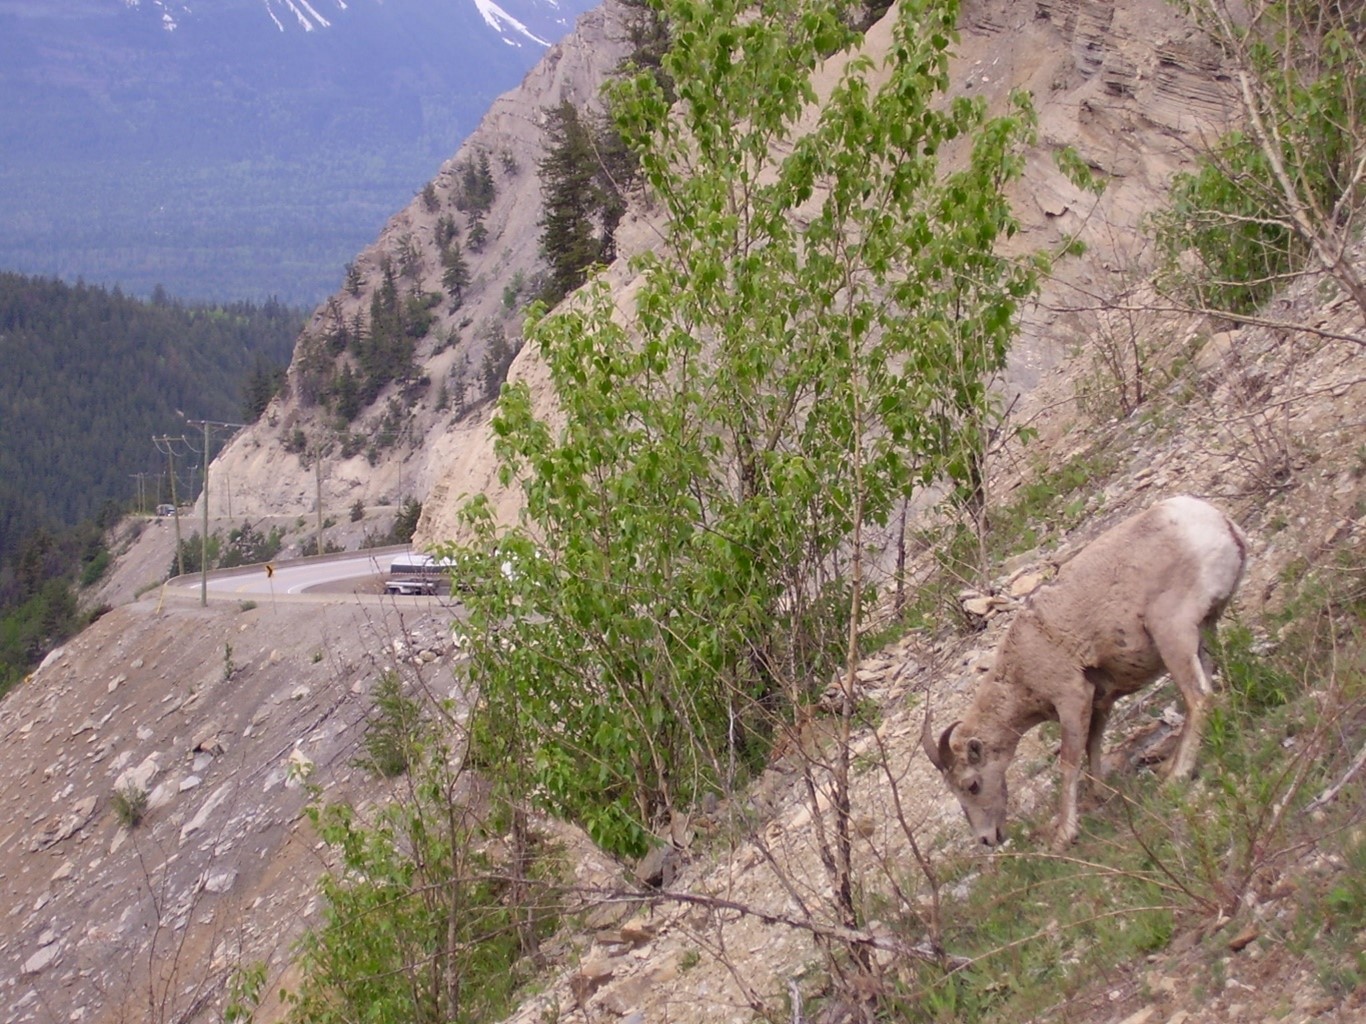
(1075, 724)
(1089, 787)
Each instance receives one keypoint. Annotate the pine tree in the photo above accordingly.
(572, 200)
(456, 277)
(263, 383)
(445, 232)
(346, 394)
(478, 233)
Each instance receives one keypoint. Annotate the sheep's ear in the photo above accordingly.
(974, 751)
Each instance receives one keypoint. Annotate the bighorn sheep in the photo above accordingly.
(1143, 596)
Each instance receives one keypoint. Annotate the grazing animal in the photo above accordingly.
(1143, 596)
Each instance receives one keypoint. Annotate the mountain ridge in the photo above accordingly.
(320, 15)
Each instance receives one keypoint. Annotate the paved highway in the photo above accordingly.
(335, 576)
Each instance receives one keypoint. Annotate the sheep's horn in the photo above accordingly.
(945, 751)
(927, 740)
(940, 755)
(944, 755)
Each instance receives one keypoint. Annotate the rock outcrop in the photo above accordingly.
(418, 437)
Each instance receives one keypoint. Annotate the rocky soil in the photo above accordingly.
(1301, 499)
(222, 714)
(218, 714)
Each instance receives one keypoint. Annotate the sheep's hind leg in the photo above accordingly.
(1177, 637)
(1095, 752)
(1095, 738)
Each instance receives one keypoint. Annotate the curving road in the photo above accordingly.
(331, 577)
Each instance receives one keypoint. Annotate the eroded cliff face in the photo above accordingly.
(1128, 85)
(408, 442)
(1125, 83)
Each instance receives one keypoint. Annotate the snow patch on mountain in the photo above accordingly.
(282, 12)
(304, 13)
(501, 21)
(168, 18)
(310, 15)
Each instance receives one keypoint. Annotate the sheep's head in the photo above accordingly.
(976, 777)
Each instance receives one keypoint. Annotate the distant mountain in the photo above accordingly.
(518, 22)
(237, 148)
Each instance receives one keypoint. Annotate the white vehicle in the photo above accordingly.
(420, 565)
(411, 585)
(416, 574)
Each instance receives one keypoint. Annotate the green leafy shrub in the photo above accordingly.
(420, 922)
(395, 732)
(130, 804)
(1241, 251)
(1273, 195)
(780, 391)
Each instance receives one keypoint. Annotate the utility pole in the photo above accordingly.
(169, 452)
(318, 489)
(208, 425)
(142, 508)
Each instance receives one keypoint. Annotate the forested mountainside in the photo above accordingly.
(91, 375)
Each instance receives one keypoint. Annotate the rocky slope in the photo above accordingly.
(217, 714)
(221, 711)
(1272, 433)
